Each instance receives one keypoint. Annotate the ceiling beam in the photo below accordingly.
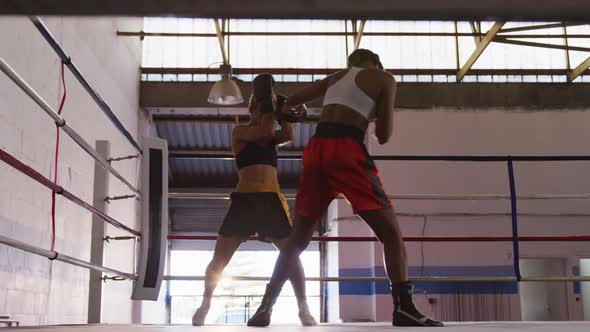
(521, 10)
(568, 63)
(359, 35)
(502, 39)
(143, 34)
(329, 71)
(578, 70)
(476, 31)
(481, 46)
(194, 95)
(220, 38)
(540, 27)
(190, 98)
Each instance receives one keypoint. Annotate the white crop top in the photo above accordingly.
(345, 92)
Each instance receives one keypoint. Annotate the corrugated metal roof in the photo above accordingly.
(200, 215)
(192, 134)
(197, 215)
(223, 173)
(208, 134)
(303, 132)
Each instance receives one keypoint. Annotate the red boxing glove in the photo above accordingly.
(290, 114)
(294, 114)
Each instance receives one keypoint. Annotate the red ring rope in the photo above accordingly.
(571, 238)
(33, 174)
(61, 106)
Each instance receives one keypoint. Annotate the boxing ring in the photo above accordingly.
(515, 238)
(152, 191)
(514, 214)
(346, 327)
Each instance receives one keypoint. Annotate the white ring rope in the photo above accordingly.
(468, 197)
(60, 122)
(384, 279)
(54, 255)
(74, 261)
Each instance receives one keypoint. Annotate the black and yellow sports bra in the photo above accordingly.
(254, 154)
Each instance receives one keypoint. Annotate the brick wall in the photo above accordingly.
(33, 290)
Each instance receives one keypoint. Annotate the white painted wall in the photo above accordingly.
(31, 289)
(480, 132)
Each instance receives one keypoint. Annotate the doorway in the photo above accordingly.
(585, 287)
(543, 301)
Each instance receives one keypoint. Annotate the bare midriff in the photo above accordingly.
(266, 174)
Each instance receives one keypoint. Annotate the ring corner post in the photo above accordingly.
(153, 219)
(514, 215)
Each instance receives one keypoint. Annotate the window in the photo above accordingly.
(429, 48)
(235, 301)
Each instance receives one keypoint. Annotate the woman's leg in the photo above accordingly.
(297, 242)
(386, 227)
(225, 247)
(297, 278)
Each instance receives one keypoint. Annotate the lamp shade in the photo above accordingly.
(225, 92)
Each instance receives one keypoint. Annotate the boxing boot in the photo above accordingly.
(405, 312)
(262, 316)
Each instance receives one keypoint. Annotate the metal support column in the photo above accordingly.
(101, 190)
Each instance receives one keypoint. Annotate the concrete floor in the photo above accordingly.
(356, 327)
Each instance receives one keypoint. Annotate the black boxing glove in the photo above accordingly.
(292, 114)
(281, 100)
(262, 93)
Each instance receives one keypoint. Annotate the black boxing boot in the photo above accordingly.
(405, 312)
(262, 316)
(262, 92)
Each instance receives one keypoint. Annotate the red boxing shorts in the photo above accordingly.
(336, 161)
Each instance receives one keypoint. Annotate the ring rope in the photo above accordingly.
(229, 156)
(67, 60)
(74, 261)
(474, 214)
(414, 279)
(60, 122)
(56, 162)
(53, 255)
(33, 174)
(469, 197)
(514, 220)
(570, 238)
